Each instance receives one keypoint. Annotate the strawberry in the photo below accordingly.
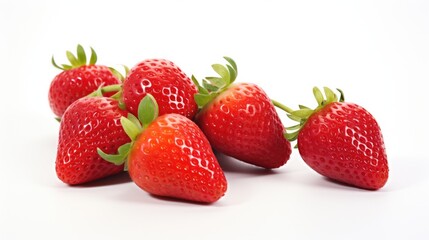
(172, 89)
(240, 120)
(341, 141)
(169, 156)
(78, 80)
(88, 123)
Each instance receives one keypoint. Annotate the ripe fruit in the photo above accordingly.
(341, 141)
(78, 80)
(169, 156)
(88, 123)
(240, 120)
(172, 89)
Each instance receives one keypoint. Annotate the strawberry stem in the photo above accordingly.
(282, 106)
(106, 89)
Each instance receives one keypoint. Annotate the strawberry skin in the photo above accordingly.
(70, 85)
(242, 122)
(87, 124)
(172, 158)
(78, 79)
(343, 141)
(172, 89)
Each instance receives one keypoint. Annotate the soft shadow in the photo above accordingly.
(136, 195)
(180, 201)
(116, 179)
(404, 173)
(232, 165)
(330, 183)
(337, 184)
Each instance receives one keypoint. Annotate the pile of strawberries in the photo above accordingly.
(162, 127)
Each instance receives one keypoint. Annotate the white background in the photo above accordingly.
(376, 51)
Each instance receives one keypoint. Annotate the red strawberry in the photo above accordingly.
(88, 123)
(78, 80)
(240, 120)
(172, 89)
(169, 156)
(341, 141)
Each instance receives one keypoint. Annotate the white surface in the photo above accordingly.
(376, 51)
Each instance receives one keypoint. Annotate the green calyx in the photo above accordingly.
(119, 75)
(147, 112)
(115, 88)
(76, 60)
(213, 86)
(107, 89)
(303, 113)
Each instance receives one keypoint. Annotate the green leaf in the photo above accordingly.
(127, 70)
(303, 107)
(200, 88)
(93, 58)
(330, 95)
(195, 81)
(66, 66)
(208, 86)
(81, 56)
(117, 159)
(303, 113)
(295, 127)
(294, 118)
(148, 110)
(318, 95)
(215, 81)
(135, 120)
(117, 74)
(232, 74)
(72, 59)
(292, 136)
(203, 99)
(341, 95)
(121, 104)
(223, 73)
(124, 149)
(112, 158)
(130, 128)
(98, 92)
(117, 96)
(232, 62)
(55, 64)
